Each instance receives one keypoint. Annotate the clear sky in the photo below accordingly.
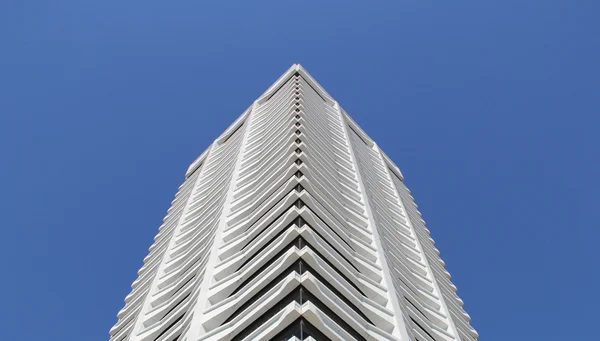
(490, 108)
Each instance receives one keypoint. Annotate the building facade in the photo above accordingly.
(293, 225)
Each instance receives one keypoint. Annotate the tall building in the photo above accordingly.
(293, 225)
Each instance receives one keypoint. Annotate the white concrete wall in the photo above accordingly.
(294, 182)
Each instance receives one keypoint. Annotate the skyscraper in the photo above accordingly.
(293, 225)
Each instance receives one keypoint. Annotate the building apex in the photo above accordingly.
(296, 68)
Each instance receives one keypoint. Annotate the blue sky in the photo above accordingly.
(490, 108)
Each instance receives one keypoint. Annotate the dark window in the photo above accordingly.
(175, 306)
(421, 327)
(170, 326)
(419, 310)
(232, 133)
(359, 136)
(300, 295)
(301, 329)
